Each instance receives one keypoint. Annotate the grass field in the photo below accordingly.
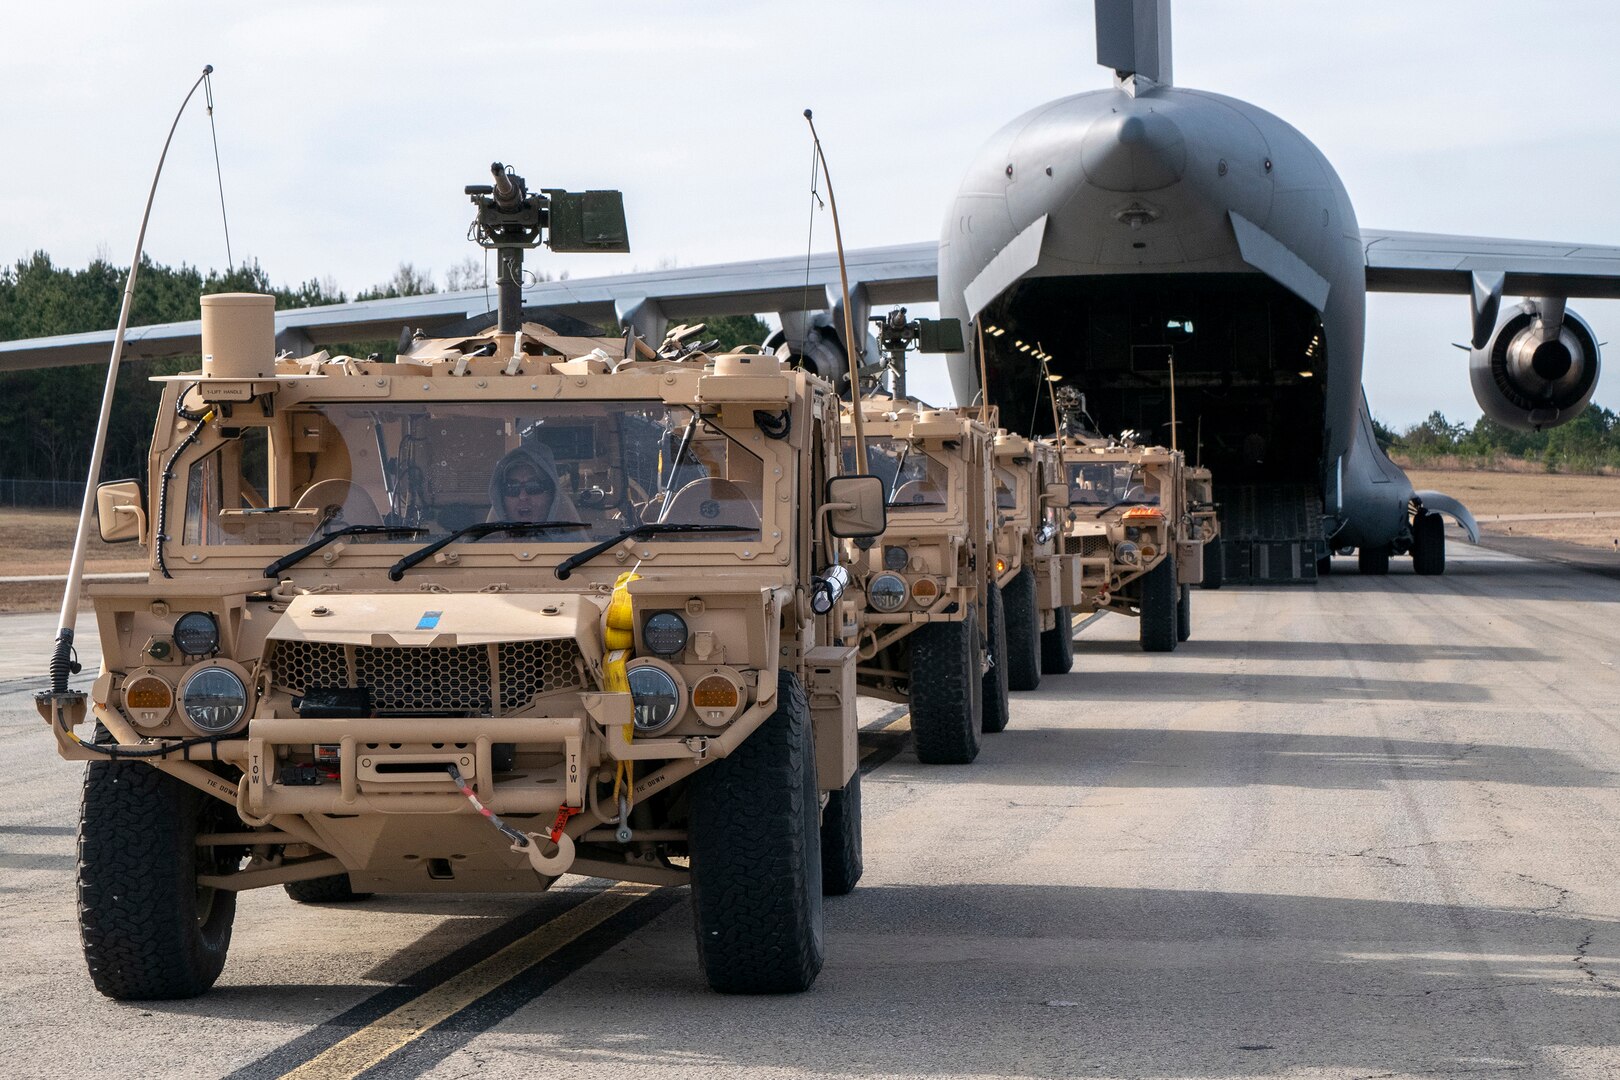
(1490, 494)
(36, 542)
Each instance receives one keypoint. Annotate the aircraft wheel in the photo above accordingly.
(1324, 565)
(1158, 617)
(1184, 614)
(1373, 560)
(1429, 544)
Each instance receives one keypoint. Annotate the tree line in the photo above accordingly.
(1589, 443)
(50, 414)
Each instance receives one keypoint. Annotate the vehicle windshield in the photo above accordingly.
(1006, 489)
(913, 480)
(316, 468)
(1108, 483)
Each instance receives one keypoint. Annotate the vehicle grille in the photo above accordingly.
(478, 680)
(1091, 546)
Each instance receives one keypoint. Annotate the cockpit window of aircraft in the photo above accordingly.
(608, 465)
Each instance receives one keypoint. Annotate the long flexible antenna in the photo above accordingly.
(849, 322)
(1173, 426)
(984, 382)
(62, 662)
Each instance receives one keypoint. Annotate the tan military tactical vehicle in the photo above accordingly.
(512, 606)
(1206, 522)
(1130, 523)
(924, 605)
(1040, 586)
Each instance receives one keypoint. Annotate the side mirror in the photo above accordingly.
(855, 506)
(1056, 495)
(120, 511)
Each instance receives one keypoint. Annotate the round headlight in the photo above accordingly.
(887, 592)
(196, 633)
(664, 632)
(1133, 532)
(214, 700)
(895, 558)
(1126, 553)
(654, 697)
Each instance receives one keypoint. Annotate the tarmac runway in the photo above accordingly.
(1367, 828)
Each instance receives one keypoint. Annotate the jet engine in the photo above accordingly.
(1539, 367)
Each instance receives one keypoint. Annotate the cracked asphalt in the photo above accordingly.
(1365, 829)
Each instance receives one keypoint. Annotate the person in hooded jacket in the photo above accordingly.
(526, 486)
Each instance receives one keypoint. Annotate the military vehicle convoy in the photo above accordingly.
(1040, 586)
(925, 606)
(1131, 524)
(511, 606)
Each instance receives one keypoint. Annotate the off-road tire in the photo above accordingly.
(1057, 644)
(1158, 616)
(1374, 560)
(1214, 566)
(1429, 544)
(997, 709)
(1184, 614)
(756, 857)
(946, 691)
(149, 933)
(841, 860)
(332, 889)
(1023, 631)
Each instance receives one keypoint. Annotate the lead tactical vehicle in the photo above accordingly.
(1131, 525)
(511, 606)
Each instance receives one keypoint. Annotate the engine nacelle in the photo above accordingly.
(1538, 369)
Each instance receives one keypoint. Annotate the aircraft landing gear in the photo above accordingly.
(1428, 544)
(1373, 560)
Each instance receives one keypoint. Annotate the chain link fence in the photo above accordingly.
(63, 494)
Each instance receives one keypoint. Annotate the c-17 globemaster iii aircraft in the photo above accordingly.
(1106, 236)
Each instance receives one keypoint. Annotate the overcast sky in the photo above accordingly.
(347, 130)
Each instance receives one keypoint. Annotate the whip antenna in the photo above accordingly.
(849, 326)
(63, 663)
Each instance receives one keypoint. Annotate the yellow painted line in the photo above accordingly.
(364, 1048)
(902, 722)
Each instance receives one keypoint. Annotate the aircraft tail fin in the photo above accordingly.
(1133, 38)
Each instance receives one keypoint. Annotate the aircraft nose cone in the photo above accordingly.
(1135, 151)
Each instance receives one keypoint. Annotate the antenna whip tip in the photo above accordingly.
(208, 69)
(807, 114)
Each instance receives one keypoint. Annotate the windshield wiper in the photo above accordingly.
(646, 528)
(477, 532)
(275, 568)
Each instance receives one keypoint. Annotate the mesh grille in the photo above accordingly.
(1092, 546)
(536, 667)
(418, 679)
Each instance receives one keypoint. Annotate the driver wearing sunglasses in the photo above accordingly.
(525, 487)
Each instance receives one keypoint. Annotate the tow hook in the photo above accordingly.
(553, 865)
(698, 745)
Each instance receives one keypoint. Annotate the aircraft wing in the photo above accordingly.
(887, 275)
(1413, 262)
